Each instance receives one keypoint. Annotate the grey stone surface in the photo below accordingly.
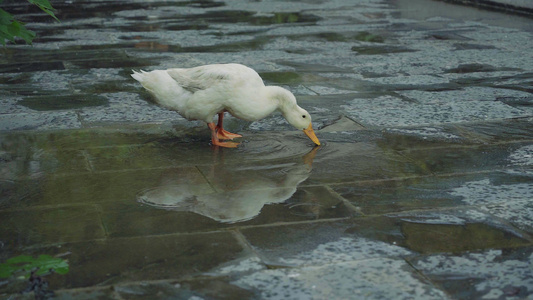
(40, 121)
(421, 189)
(491, 274)
(377, 279)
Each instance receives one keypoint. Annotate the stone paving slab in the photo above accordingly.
(421, 188)
(135, 259)
(487, 274)
(379, 278)
(26, 228)
(317, 230)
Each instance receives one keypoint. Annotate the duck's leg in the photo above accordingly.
(216, 141)
(223, 134)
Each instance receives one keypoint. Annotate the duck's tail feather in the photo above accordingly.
(145, 78)
(139, 76)
(165, 90)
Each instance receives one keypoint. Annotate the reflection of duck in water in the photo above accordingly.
(231, 195)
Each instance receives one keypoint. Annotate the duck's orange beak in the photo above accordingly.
(311, 134)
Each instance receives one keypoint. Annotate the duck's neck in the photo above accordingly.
(281, 97)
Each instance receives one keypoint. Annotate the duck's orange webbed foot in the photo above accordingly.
(226, 135)
(223, 134)
(225, 144)
(215, 140)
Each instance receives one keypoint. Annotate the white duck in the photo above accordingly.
(202, 92)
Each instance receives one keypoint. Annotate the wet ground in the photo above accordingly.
(422, 188)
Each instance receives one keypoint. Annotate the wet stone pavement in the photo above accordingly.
(422, 189)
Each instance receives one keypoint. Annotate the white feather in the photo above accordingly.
(200, 93)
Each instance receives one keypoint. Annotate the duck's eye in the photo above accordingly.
(303, 116)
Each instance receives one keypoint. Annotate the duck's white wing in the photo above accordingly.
(204, 77)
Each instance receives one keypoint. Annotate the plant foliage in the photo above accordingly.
(11, 28)
(27, 264)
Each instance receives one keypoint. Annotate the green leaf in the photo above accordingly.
(17, 29)
(25, 263)
(5, 17)
(25, 34)
(46, 262)
(5, 20)
(45, 6)
(4, 33)
(11, 28)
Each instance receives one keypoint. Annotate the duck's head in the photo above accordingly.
(300, 119)
(295, 115)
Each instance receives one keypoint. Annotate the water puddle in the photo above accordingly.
(55, 102)
(281, 77)
(31, 67)
(362, 36)
(23, 78)
(66, 11)
(380, 50)
(237, 16)
(475, 67)
(229, 193)
(430, 238)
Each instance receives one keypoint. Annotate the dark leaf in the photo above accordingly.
(45, 6)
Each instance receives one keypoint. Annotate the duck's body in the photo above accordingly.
(202, 92)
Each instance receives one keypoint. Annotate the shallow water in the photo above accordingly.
(422, 185)
(230, 193)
